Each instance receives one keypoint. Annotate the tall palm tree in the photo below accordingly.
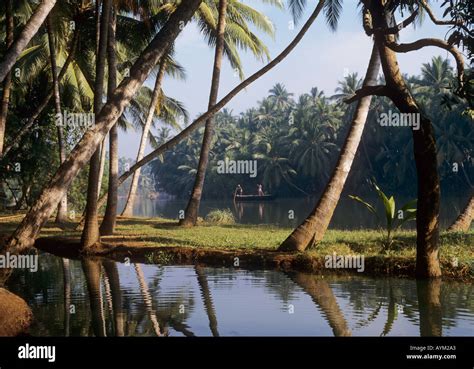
(315, 225)
(236, 8)
(154, 105)
(157, 152)
(108, 223)
(91, 234)
(30, 29)
(28, 230)
(61, 216)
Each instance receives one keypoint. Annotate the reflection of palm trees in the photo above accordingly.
(429, 306)
(391, 313)
(67, 294)
(112, 274)
(147, 299)
(91, 270)
(207, 299)
(322, 295)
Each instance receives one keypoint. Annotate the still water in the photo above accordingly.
(103, 298)
(349, 214)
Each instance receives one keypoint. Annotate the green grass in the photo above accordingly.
(142, 232)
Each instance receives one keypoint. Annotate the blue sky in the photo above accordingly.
(320, 60)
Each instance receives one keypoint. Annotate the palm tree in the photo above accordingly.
(280, 97)
(192, 209)
(152, 110)
(62, 208)
(30, 29)
(315, 225)
(91, 234)
(424, 143)
(464, 220)
(108, 223)
(219, 105)
(26, 233)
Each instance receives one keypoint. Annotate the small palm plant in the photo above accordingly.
(394, 218)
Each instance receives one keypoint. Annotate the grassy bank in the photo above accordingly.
(161, 240)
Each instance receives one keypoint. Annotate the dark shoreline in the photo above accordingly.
(375, 266)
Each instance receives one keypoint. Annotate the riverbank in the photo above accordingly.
(161, 241)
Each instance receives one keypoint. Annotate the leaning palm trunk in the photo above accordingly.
(30, 29)
(7, 83)
(147, 299)
(464, 220)
(108, 223)
(44, 103)
(192, 210)
(128, 210)
(322, 295)
(424, 147)
(215, 108)
(207, 299)
(61, 216)
(315, 225)
(90, 234)
(28, 230)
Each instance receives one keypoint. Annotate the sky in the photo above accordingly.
(320, 60)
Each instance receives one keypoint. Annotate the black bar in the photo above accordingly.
(233, 353)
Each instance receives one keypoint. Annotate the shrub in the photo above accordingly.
(220, 217)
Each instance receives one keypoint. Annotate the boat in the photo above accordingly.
(257, 198)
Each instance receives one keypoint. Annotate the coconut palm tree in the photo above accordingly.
(62, 208)
(25, 234)
(166, 65)
(315, 225)
(157, 152)
(91, 234)
(235, 9)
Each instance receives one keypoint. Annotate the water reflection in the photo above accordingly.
(99, 297)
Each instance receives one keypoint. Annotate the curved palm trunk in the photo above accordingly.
(322, 295)
(26, 233)
(61, 216)
(92, 273)
(464, 220)
(424, 147)
(111, 271)
(192, 210)
(7, 83)
(315, 225)
(30, 29)
(90, 234)
(108, 223)
(215, 108)
(128, 210)
(207, 297)
(147, 299)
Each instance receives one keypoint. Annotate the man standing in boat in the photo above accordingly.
(260, 190)
(239, 190)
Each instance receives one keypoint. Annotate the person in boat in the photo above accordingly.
(260, 190)
(239, 190)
